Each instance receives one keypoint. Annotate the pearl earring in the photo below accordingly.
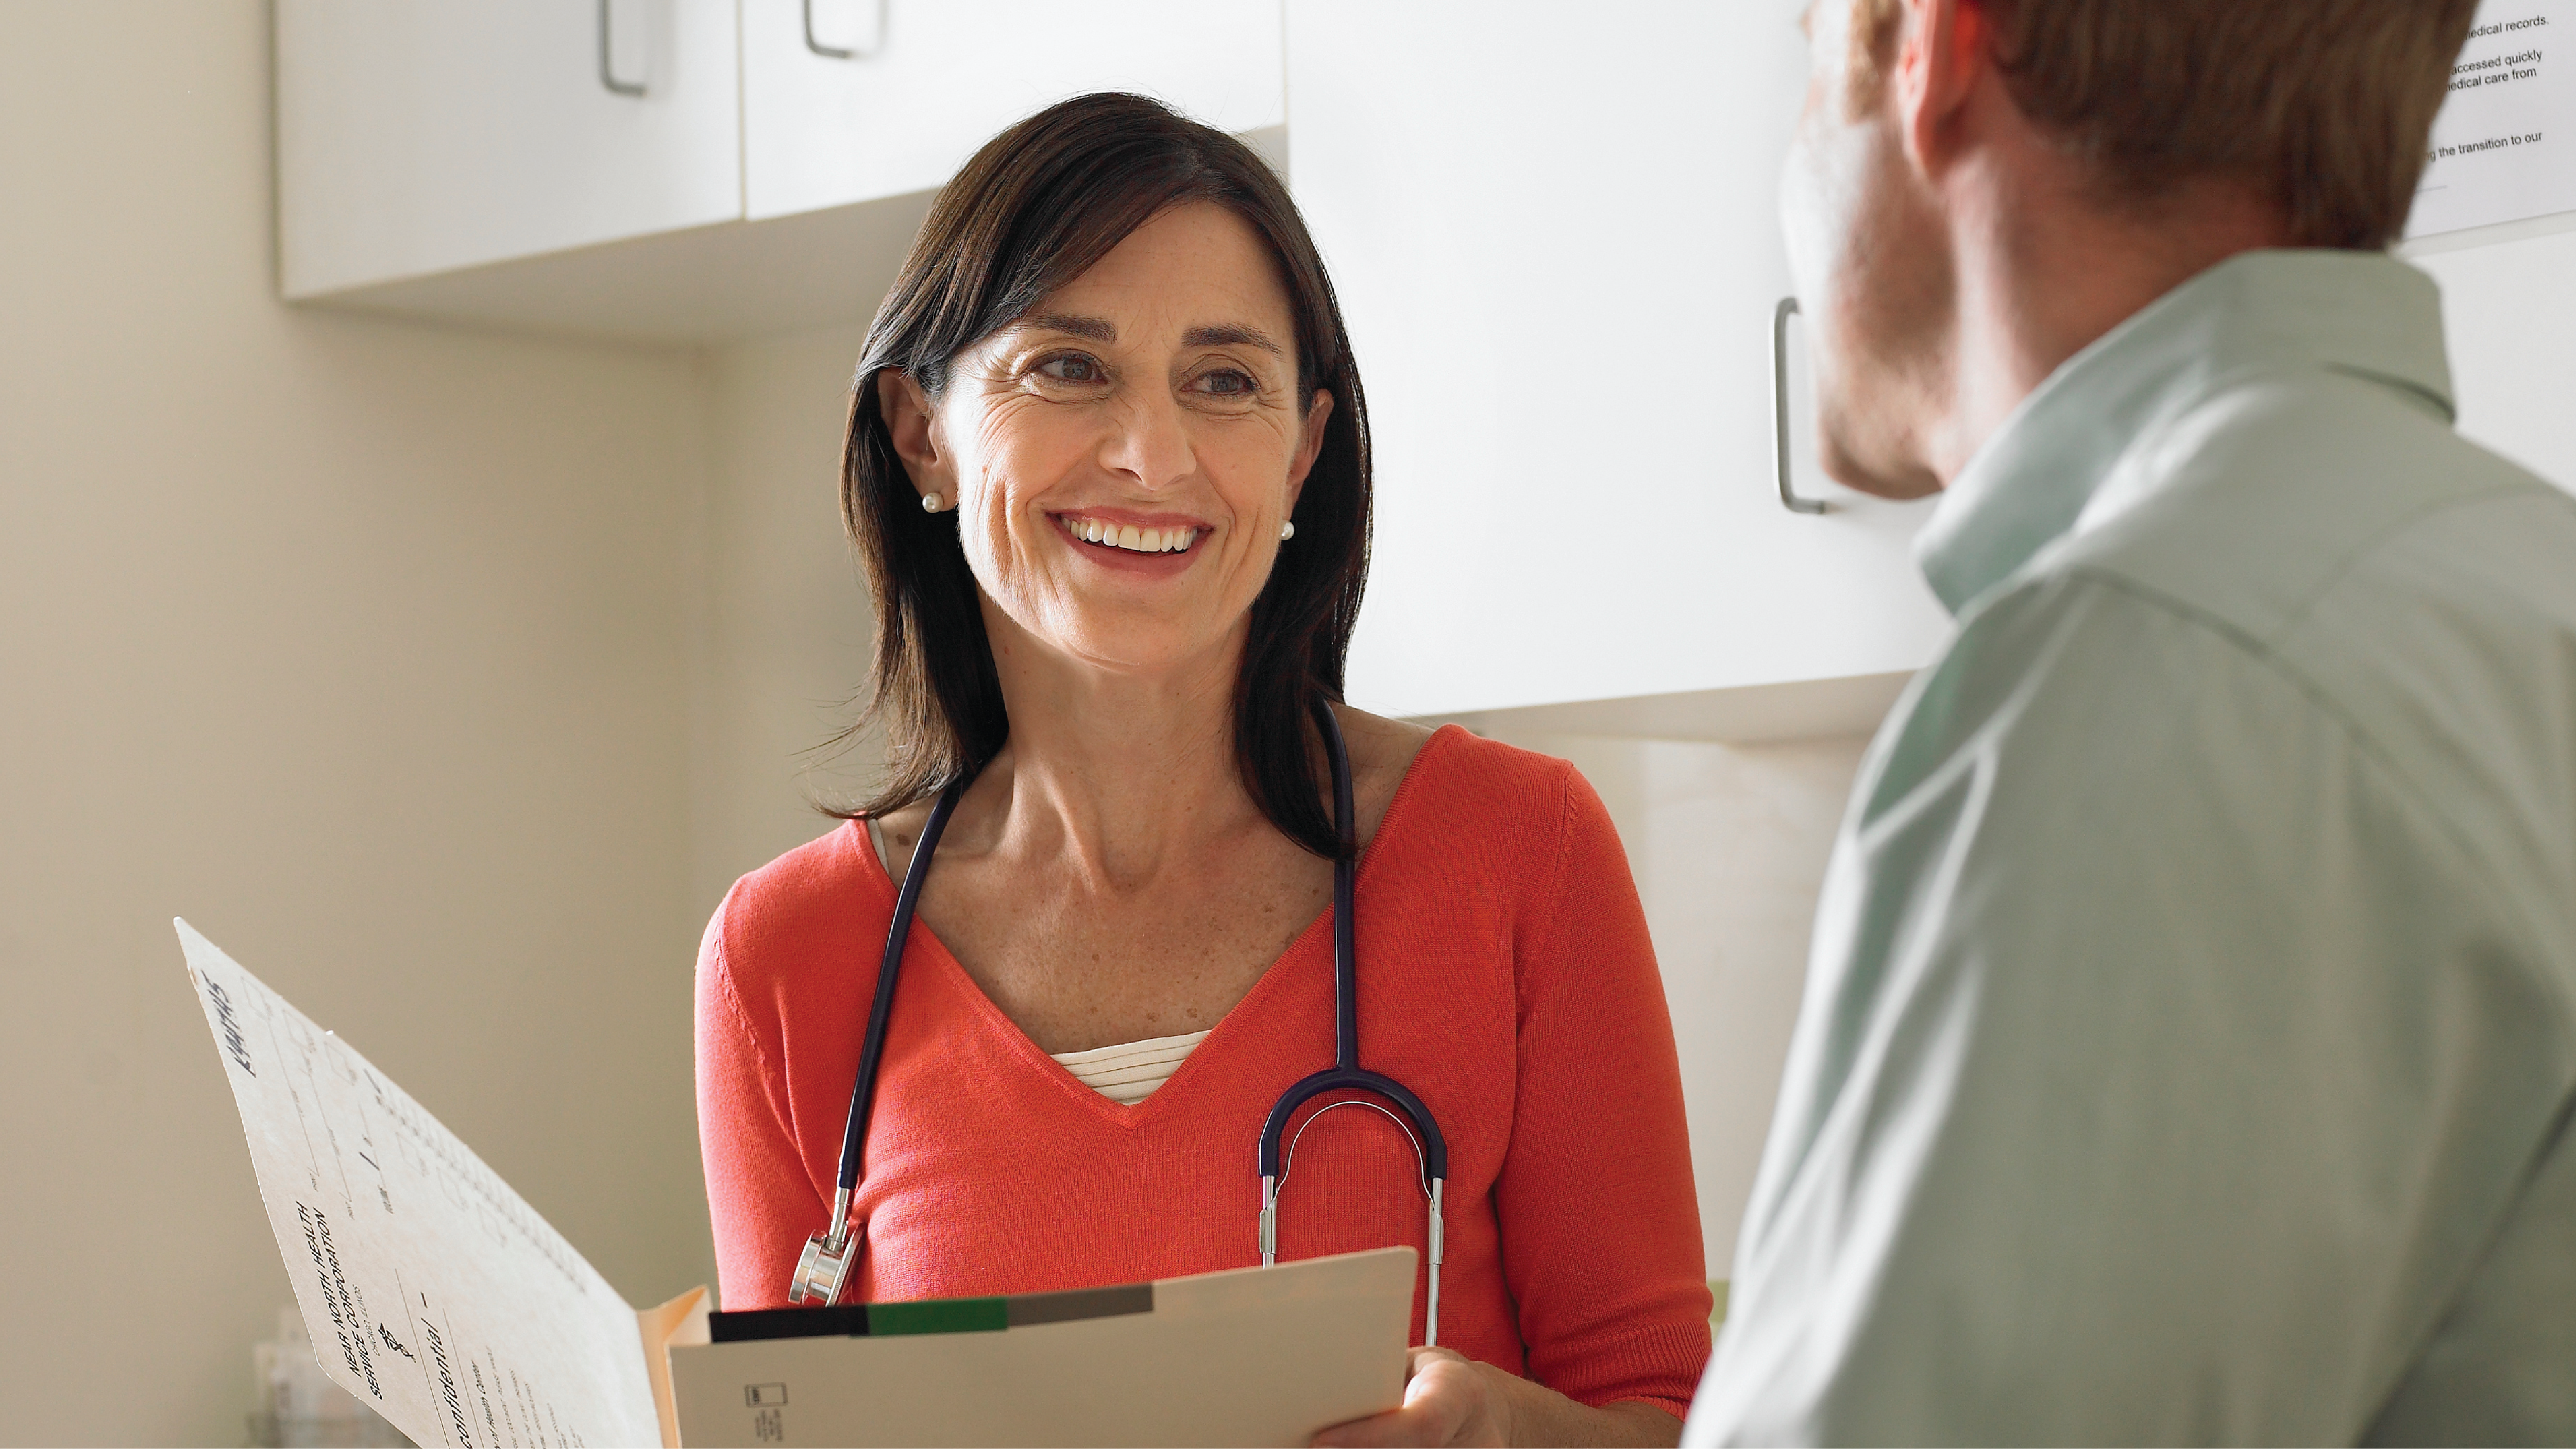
(1287, 530)
(930, 502)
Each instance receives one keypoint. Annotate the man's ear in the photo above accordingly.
(914, 426)
(1310, 444)
(1944, 52)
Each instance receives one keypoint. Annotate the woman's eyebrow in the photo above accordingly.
(1098, 329)
(1101, 329)
(1231, 336)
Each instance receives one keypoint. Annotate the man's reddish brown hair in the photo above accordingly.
(2323, 106)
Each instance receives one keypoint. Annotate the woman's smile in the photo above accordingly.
(1156, 545)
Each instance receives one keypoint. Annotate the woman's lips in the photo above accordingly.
(1155, 547)
(1152, 535)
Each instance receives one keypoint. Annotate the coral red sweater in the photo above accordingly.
(1504, 975)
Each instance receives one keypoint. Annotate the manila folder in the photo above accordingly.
(1247, 1356)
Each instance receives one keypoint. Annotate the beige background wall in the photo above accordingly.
(786, 623)
(1728, 846)
(447, 679)
(362, 647)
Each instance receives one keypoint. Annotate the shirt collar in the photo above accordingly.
(2361, 313)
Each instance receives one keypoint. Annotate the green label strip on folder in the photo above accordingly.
(933, 1315)
(940, 1315)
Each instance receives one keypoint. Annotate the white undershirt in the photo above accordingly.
(1127, 1073)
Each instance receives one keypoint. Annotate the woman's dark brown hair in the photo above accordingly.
(1035, 208)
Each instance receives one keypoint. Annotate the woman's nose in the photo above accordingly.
(1150, 443)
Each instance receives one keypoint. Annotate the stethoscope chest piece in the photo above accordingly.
(823, 1269)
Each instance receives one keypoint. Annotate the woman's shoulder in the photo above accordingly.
(810, 899)
(1491, 832)
(1461, 787)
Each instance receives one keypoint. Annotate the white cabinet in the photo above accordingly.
(417, 138)
(849, 100)
(672, 171)
(1554, 233)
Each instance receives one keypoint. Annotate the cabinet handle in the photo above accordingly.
(608, 77)
(832, 52)
(1789, 498)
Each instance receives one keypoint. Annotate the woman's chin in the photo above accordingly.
(1119, 642)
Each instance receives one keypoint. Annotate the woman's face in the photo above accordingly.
(1121, 458)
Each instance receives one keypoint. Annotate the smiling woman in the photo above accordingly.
(1108, 472)
(1039, 207)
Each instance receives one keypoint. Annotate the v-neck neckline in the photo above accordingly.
(1137, 1114)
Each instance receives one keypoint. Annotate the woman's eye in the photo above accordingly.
(1070, 367)
(1229, 382)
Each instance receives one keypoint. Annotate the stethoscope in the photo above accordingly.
(824, 1267)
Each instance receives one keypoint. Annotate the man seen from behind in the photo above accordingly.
(2190, 1031)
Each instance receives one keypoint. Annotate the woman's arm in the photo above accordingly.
(760, 1201)
(1600, 1219)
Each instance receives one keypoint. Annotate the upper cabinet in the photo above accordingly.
(849, 100)
(417, 137)
(606, 166)
(1556, 239)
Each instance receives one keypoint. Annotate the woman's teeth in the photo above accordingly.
(1129, 537)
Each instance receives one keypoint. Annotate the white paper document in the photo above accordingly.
(435, 1294)
(2504, 146)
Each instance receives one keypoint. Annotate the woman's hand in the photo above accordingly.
(1450, 1399)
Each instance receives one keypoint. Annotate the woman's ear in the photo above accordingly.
(914, 426)
(1310, 444)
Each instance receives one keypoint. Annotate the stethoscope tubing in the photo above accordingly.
(863, 1092)
(1346, 1073)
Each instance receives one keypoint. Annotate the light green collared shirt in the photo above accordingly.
(2189, 1039)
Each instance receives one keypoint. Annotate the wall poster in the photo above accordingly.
(2504, 146)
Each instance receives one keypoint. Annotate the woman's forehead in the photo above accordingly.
(1197, 273)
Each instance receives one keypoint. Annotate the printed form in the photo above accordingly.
(433, 1292)
(437, 1295)
(2504, 145)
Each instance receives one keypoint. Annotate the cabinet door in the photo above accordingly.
(1554, 231)
(922, 83)
(418, 136)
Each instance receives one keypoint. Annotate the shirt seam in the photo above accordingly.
(2366, 744)
(2372, 545)
(1565, 773)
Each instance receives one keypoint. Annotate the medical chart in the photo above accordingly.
(2504, 145)
(433, 1292)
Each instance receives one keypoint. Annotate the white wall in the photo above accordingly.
(361, 646)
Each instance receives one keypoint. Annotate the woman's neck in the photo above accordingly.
(1121, 774)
